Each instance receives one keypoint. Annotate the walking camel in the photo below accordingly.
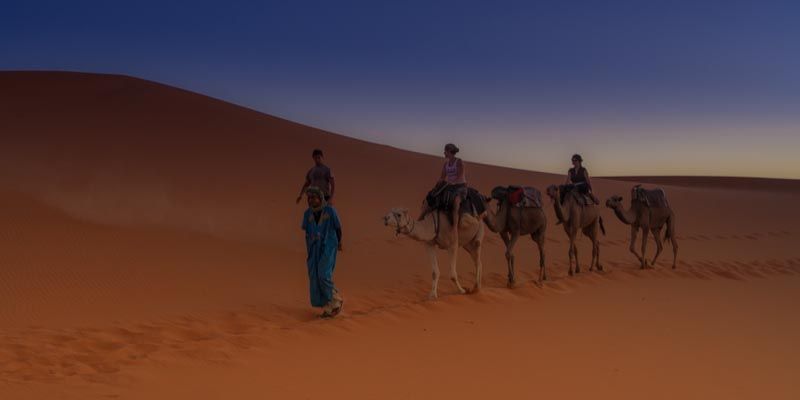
(435, 231)
(512, 222)
(577, 216)
(649, 212)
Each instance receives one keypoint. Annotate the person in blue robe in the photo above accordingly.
(323, 240)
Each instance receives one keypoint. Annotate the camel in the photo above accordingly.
(575, 216)
(510, 223)
(648, 218)
(434, 231)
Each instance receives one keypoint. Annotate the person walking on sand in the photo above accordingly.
(319, 176)
(323, 232)
(579, 176)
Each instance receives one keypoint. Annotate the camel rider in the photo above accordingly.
(454, 176)
(579, 176)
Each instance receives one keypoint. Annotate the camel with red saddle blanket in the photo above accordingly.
(519, 212)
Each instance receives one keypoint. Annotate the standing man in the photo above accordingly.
(323, 239)
(319, 176)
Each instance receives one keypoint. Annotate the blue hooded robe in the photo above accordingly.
(322, 243)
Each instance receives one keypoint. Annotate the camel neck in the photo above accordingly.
(557, 206)
(626, 216)
(425, 231)
(500, 218)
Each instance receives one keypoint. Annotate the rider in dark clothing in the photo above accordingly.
(579, 176)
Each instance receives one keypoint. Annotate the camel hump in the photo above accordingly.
(582, 197)
(655, 198)
(532, 197)
(518, 196)
(442, 199)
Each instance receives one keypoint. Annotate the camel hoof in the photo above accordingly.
(571, 273)
(433, 296)
(511, 284)
(600, 268)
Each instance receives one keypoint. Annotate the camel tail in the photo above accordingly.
(602, 227)
(668, 234)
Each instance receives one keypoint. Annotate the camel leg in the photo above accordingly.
(596, 245)
(571, 254)
(510, 258)
(634, 233)
(659, 245)
(645, 231)
(431, 249)
(506, 240)
(538, 237)
(474, 250)
(573, 240)
(590, 232)
(596, 241)
(453, 251)
(673, 240)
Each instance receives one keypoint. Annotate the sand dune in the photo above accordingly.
(718, 182)
(151, 249)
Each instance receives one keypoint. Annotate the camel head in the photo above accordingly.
(500, 194)
(397, 219)
(614, 202)
(552, 191)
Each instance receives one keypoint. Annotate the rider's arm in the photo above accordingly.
(306, 184)
(586, 175)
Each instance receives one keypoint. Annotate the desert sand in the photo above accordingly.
(151, 249)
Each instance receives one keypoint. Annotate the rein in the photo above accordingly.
(399, 229)
(409, 228)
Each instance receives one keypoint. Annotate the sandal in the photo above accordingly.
(336, 310)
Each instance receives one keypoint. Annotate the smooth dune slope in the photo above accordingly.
(151, 249)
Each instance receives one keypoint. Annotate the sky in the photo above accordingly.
(637, 87)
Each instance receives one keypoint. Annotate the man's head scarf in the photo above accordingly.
(315, 191)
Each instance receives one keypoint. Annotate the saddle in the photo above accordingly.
(518, 196)
(654, 198)
(579, 192)
(442, 197)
